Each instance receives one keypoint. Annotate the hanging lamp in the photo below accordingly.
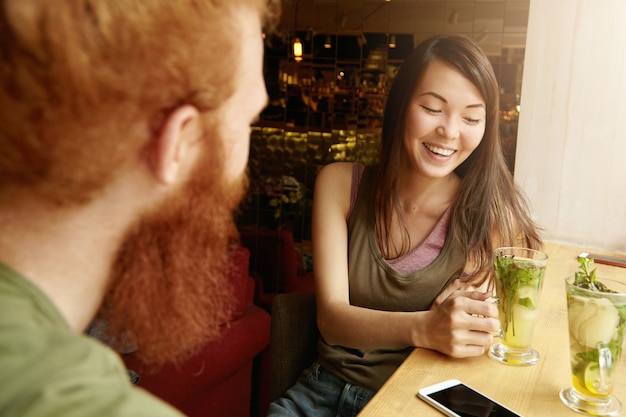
(297, 49)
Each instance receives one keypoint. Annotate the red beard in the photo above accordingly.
(168, 291)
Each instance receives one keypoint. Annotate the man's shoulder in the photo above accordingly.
(56, 371)
(52, 371)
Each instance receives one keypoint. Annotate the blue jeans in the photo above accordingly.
(321, 394)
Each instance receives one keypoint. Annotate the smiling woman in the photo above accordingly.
(445, 122)
(451, 81)
(402, 249)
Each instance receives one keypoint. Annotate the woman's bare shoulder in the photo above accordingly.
(337, 173)
(332, 186)
(344, 168)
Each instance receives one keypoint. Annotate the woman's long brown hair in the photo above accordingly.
(489, 203)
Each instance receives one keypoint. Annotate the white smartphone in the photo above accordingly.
(455, 399)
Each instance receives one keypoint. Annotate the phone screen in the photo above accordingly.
(466, 402)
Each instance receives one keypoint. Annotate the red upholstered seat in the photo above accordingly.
(275, 264)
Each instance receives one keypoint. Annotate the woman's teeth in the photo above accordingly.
(439, 151)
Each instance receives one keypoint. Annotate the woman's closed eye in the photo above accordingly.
(429, 110)
(471, 121)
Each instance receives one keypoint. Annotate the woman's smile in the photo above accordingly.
(439, 151)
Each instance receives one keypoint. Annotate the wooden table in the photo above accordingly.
(529, 390)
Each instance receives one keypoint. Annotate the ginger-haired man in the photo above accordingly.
(124, 135)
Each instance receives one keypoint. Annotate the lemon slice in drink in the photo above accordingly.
(593, 382)
(592, 377)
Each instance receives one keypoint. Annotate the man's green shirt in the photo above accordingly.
(47, 370)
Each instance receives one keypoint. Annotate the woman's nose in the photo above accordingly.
(448, 128)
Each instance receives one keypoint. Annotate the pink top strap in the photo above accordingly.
(423, 254)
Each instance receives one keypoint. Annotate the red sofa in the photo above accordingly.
(275, 264)
(219, 380)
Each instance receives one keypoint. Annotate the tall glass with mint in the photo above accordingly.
(519, 276)
(596, 311)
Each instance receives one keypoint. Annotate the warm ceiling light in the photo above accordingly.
(327, 43)
(297, 49)
(392, 41)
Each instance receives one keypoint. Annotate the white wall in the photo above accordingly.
(571, 147)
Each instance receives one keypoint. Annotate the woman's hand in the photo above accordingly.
(456, 285)
(460, 323)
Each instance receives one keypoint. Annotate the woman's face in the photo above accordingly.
(445, 121)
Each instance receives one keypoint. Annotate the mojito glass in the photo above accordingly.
(596, 322)
(519, 276)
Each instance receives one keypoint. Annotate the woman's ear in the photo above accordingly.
(169, 150)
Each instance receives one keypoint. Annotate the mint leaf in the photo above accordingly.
(526, 302)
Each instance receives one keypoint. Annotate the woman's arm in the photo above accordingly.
(452, 327)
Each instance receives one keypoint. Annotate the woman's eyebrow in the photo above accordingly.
(432, 93)
(439, 97)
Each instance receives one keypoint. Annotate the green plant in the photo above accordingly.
(280, 194)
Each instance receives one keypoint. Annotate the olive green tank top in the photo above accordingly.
(376, 285)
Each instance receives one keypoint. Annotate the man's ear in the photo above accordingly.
(170, 147)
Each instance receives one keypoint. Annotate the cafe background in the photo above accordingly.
(327, 104)
(561, 124)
